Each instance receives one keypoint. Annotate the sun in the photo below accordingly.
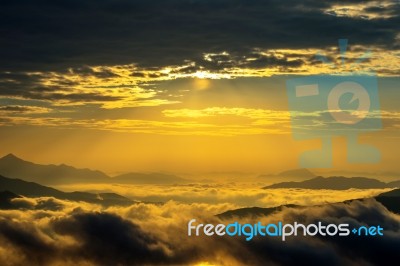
(201, 83)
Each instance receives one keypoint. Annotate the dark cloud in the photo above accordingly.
(88, 71)
(49, 204)
(30, 87)
(108, 239)
(138, 74)
(27, 242)
(54, 35)
(262, 61)
(72, 97)
(103, 238)
(351, 250)
(15, 108)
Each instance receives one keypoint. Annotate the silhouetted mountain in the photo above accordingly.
(7, 195)
(291, 175)
(335, 182)
(391, 200)
(391, 193)
(31, 189)
(253, 211)
(12, 166)
(300, 173)
(151, 178)
(5, 199)
(394, 183)
(381, 175)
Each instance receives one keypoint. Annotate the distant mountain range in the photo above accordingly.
(12, 166)
(391, 200)
(394, 183)
(290, 175)
(150, 178)
(336, 183)
(254, 211)
(12, 187)
(381, 175)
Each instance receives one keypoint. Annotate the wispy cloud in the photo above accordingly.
(222, 111)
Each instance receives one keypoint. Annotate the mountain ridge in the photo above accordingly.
(390, 200)
(34, 190)
(13, 166)
(148, 178)
(333, 182)
(290, 175)
(50, 174)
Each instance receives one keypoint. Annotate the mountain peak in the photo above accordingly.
(12, 166)
(10, 156)
(301, 172)
(333, 182)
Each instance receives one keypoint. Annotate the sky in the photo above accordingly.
(184, 86)
(211, 91)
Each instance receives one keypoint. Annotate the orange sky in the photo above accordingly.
(234, 125)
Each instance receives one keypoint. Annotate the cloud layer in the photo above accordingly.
(48, 34)
(148, 234)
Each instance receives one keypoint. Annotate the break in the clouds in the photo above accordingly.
(47, 35)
